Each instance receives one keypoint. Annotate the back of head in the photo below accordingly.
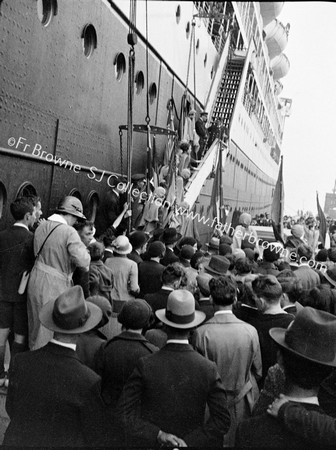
(196, 259)
(243, 266)
(96, 250)
(267, 287)
(187, 252)
(104, 305)
(223, 290)
(224, 249)
(322, 255)
(156, 249)
(20, 207)
(135, 314)
(332, 254)
(271, 253)
(302, 372)
(171, 274)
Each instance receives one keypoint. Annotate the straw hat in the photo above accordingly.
(121, 245)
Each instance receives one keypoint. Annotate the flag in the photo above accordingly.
(323, 222)
(278, 206)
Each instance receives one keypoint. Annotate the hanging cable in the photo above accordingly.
(132, 40)
(147, 119)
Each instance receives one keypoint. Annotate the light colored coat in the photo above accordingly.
(234, 346)
(52, 272)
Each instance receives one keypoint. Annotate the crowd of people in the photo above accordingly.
(149, 338)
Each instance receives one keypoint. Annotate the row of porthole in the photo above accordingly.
(47, 9)
(27, 189)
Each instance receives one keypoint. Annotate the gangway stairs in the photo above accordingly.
(227, 92)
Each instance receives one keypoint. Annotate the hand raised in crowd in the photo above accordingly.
(127, 212)
(167, 439)
(273, 408)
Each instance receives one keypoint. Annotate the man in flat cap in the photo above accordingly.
(53, 398)
(164, 400)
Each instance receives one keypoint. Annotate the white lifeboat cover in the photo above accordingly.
(276, 38)
(280, 66)
(270, 10)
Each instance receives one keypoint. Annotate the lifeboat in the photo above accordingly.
(279, 66)
(276, 38)
(270, 10)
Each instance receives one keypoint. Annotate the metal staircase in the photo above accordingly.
(227, 92)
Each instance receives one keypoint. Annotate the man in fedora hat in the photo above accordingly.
(60, 250)
(307, 355)
(53, 398)
(174, 386)
(170, 237)
(217, 266)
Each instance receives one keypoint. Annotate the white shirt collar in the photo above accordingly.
(58, 218)
(108, 250)
(312, 400)
(167, 288)
(64, 344)
(223, 311)
(17, 224)
(177, 341)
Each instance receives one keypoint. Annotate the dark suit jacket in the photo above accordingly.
(201, 129)
(173, 386)
(116, 360)
(134, 256)
(169, 257)
(158, 300)
(53, 400)
(149, 277)
(16, 256)
(266, 431)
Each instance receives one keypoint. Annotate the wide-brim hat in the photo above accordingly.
(217, 265)
(138, 238)
(312, 335)
(69, 313)
(170, 236)
(121, 245)
(71, 205)
(330, 275)
(180, 311)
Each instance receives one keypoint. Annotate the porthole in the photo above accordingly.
(75, 193)
(46, 10)
(26, 190)
(120, 65)
(205, 59)
(152, 93)
(188, 30)
(89, 40)
(3, 198)
(178, 14)
(197, 46)
(139, 82)
(92, 206)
